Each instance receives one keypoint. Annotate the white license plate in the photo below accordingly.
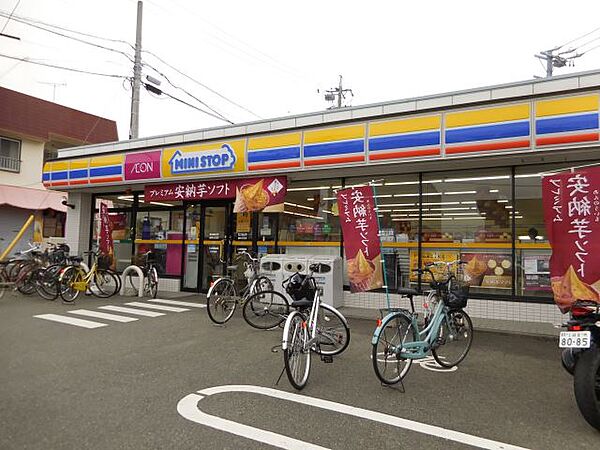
(574, 339)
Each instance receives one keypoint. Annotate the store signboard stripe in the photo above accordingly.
(487, 116)
(481, 133)
(60, 165)
(102, 161)
(279, 140)
(334, 134)
(45, 176)
(338, 160)
(404, 154)
(62, 175)
(177, 303)
(159, 307)
(106, 171)
(79, 164)
(79, 173)
(105, 180)
(278, 165)
(336, 148)
(274, 154)
(569, 105)
(71, 321)
(83, 181)
(568, 123)
(404, 141)
(490, 146)
(134, 311)
(101, 315)
(567, 139)
(405, 125)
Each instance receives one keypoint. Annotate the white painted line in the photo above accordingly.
(71, 321)
(188, 408)
(139, 312)
(159, 307)
(177, 302)
(101, 315)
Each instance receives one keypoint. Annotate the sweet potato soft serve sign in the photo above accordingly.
(572, 216)
(358, 221)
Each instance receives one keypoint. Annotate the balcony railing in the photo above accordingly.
(10, 164)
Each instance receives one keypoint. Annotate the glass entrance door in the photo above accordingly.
(216, 244)
(191, 247)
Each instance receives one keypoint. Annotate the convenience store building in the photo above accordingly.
(457, 175)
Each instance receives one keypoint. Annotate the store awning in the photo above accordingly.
(32, 199)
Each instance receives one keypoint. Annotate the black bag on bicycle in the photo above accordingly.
(458, 295)
(104, 262)
(301, 287)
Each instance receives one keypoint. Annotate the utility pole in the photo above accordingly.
(137, 76)
(339, 92)
(553, 59)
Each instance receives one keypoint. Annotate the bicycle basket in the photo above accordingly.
(104, 262)
(301, 287)
(458, 295)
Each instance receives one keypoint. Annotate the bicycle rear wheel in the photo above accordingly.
(68, 279)
(389, 366)
(106, 283)
(266, 310)
(332, 331)
(296, 354)
(221, 301)
(153, 282)
(45, 284)
(454, 339)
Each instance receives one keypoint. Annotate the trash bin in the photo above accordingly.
(330, 279)
(271, 266)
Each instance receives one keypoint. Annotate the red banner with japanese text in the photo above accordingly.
(106, 240)
(572, 216)
(358, 220)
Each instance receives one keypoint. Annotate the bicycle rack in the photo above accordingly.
(132, 268)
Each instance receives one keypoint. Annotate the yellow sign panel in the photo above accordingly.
(215, 157)
(430, 256)
(243, 222)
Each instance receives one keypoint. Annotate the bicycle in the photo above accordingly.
(99, 281)
(398, 340)
(304, 331)
(223, 296)
(150, 276)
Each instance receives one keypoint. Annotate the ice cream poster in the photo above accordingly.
(572, 216)
(358, 220)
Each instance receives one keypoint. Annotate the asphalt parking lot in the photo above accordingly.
(134, 384)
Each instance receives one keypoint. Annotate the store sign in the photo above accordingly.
(572, 216)
(203, 158)
(488, 270)
(358, 220)
(251, 194)
(142, 166)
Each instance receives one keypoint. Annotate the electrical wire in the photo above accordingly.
(9, 16)
(88, 72)
(195, 107)
(580, 37)
(200, 84)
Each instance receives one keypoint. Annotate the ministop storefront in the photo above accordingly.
(456, 176)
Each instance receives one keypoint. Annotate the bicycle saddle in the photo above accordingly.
(304, 303)
(409, 292)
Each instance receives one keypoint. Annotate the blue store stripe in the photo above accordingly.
(274, 155)
(335, 148)
(571, 123)
(508, 130)
(405, 141)
(103, 171)
(60, 175)
(46, 176)
(79, 173)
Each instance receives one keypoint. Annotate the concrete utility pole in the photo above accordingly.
(137, 76)
(339, 92)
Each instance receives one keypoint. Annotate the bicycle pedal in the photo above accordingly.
(327, 359)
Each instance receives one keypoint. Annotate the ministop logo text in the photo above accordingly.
(203, 161)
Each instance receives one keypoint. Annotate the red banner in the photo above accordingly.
(106, 241)
(250, 194)
(572, 216)
(358, 220)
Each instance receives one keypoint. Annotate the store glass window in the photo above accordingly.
(267, 229)
(119, 213)
(467, 215)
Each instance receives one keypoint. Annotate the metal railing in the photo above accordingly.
(10, 164)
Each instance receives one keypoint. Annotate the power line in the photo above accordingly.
(576, 39)
(88, 72)
(195, 107)
(9, 16)
(201, 84)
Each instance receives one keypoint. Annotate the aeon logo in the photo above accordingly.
(203, 161)
(140, 166)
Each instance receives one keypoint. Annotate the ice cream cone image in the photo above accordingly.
(251, 197)
(569, 288)
(362, 272)
(475, 270)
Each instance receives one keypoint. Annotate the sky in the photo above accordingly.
(266, 59)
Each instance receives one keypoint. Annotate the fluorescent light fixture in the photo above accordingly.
(397, 204)
(405, 210)
(442, 203)
(385, 210)
(518, 217)
(502, 201)
(160, 204)
(384, 196)
(531, 175)
(425, 194)
(470, 202)
(497, 177)
(459, 192)
(329, 198)
(303, 215)
(296, 205)
(437, 218)
(310, 199)
(450, 209)
(469, 218)
(465, 213)
(494, 191)
(308, 188)
(508, 206)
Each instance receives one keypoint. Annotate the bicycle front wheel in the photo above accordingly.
(266, 310)
(390, 367)
(221, 301)
(332, 331)
(296, 354)
(105, 283)
(454, 339)
(152, 282)
(69, 278)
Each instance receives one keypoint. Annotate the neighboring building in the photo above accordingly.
(31, 132)
(458, 175)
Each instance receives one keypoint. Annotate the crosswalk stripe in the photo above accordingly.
(177, 302)
(159, 307)
(71, 321)
(139, 312)
(101, 315)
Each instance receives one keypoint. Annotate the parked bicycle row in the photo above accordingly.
(54, 273)
(310, 325)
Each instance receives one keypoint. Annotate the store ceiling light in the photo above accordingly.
(441, 203)
(459, 192)
(425, 194)
(469, 218)
(502, 201)
(303, 215)
(497, 177)
(296, 205)
(494, 191)
(465, 213)
(160, 204)
(451, 209)
(397, 204)
(470, 202)
(314, 188)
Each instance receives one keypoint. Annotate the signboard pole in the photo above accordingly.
(385, 280)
